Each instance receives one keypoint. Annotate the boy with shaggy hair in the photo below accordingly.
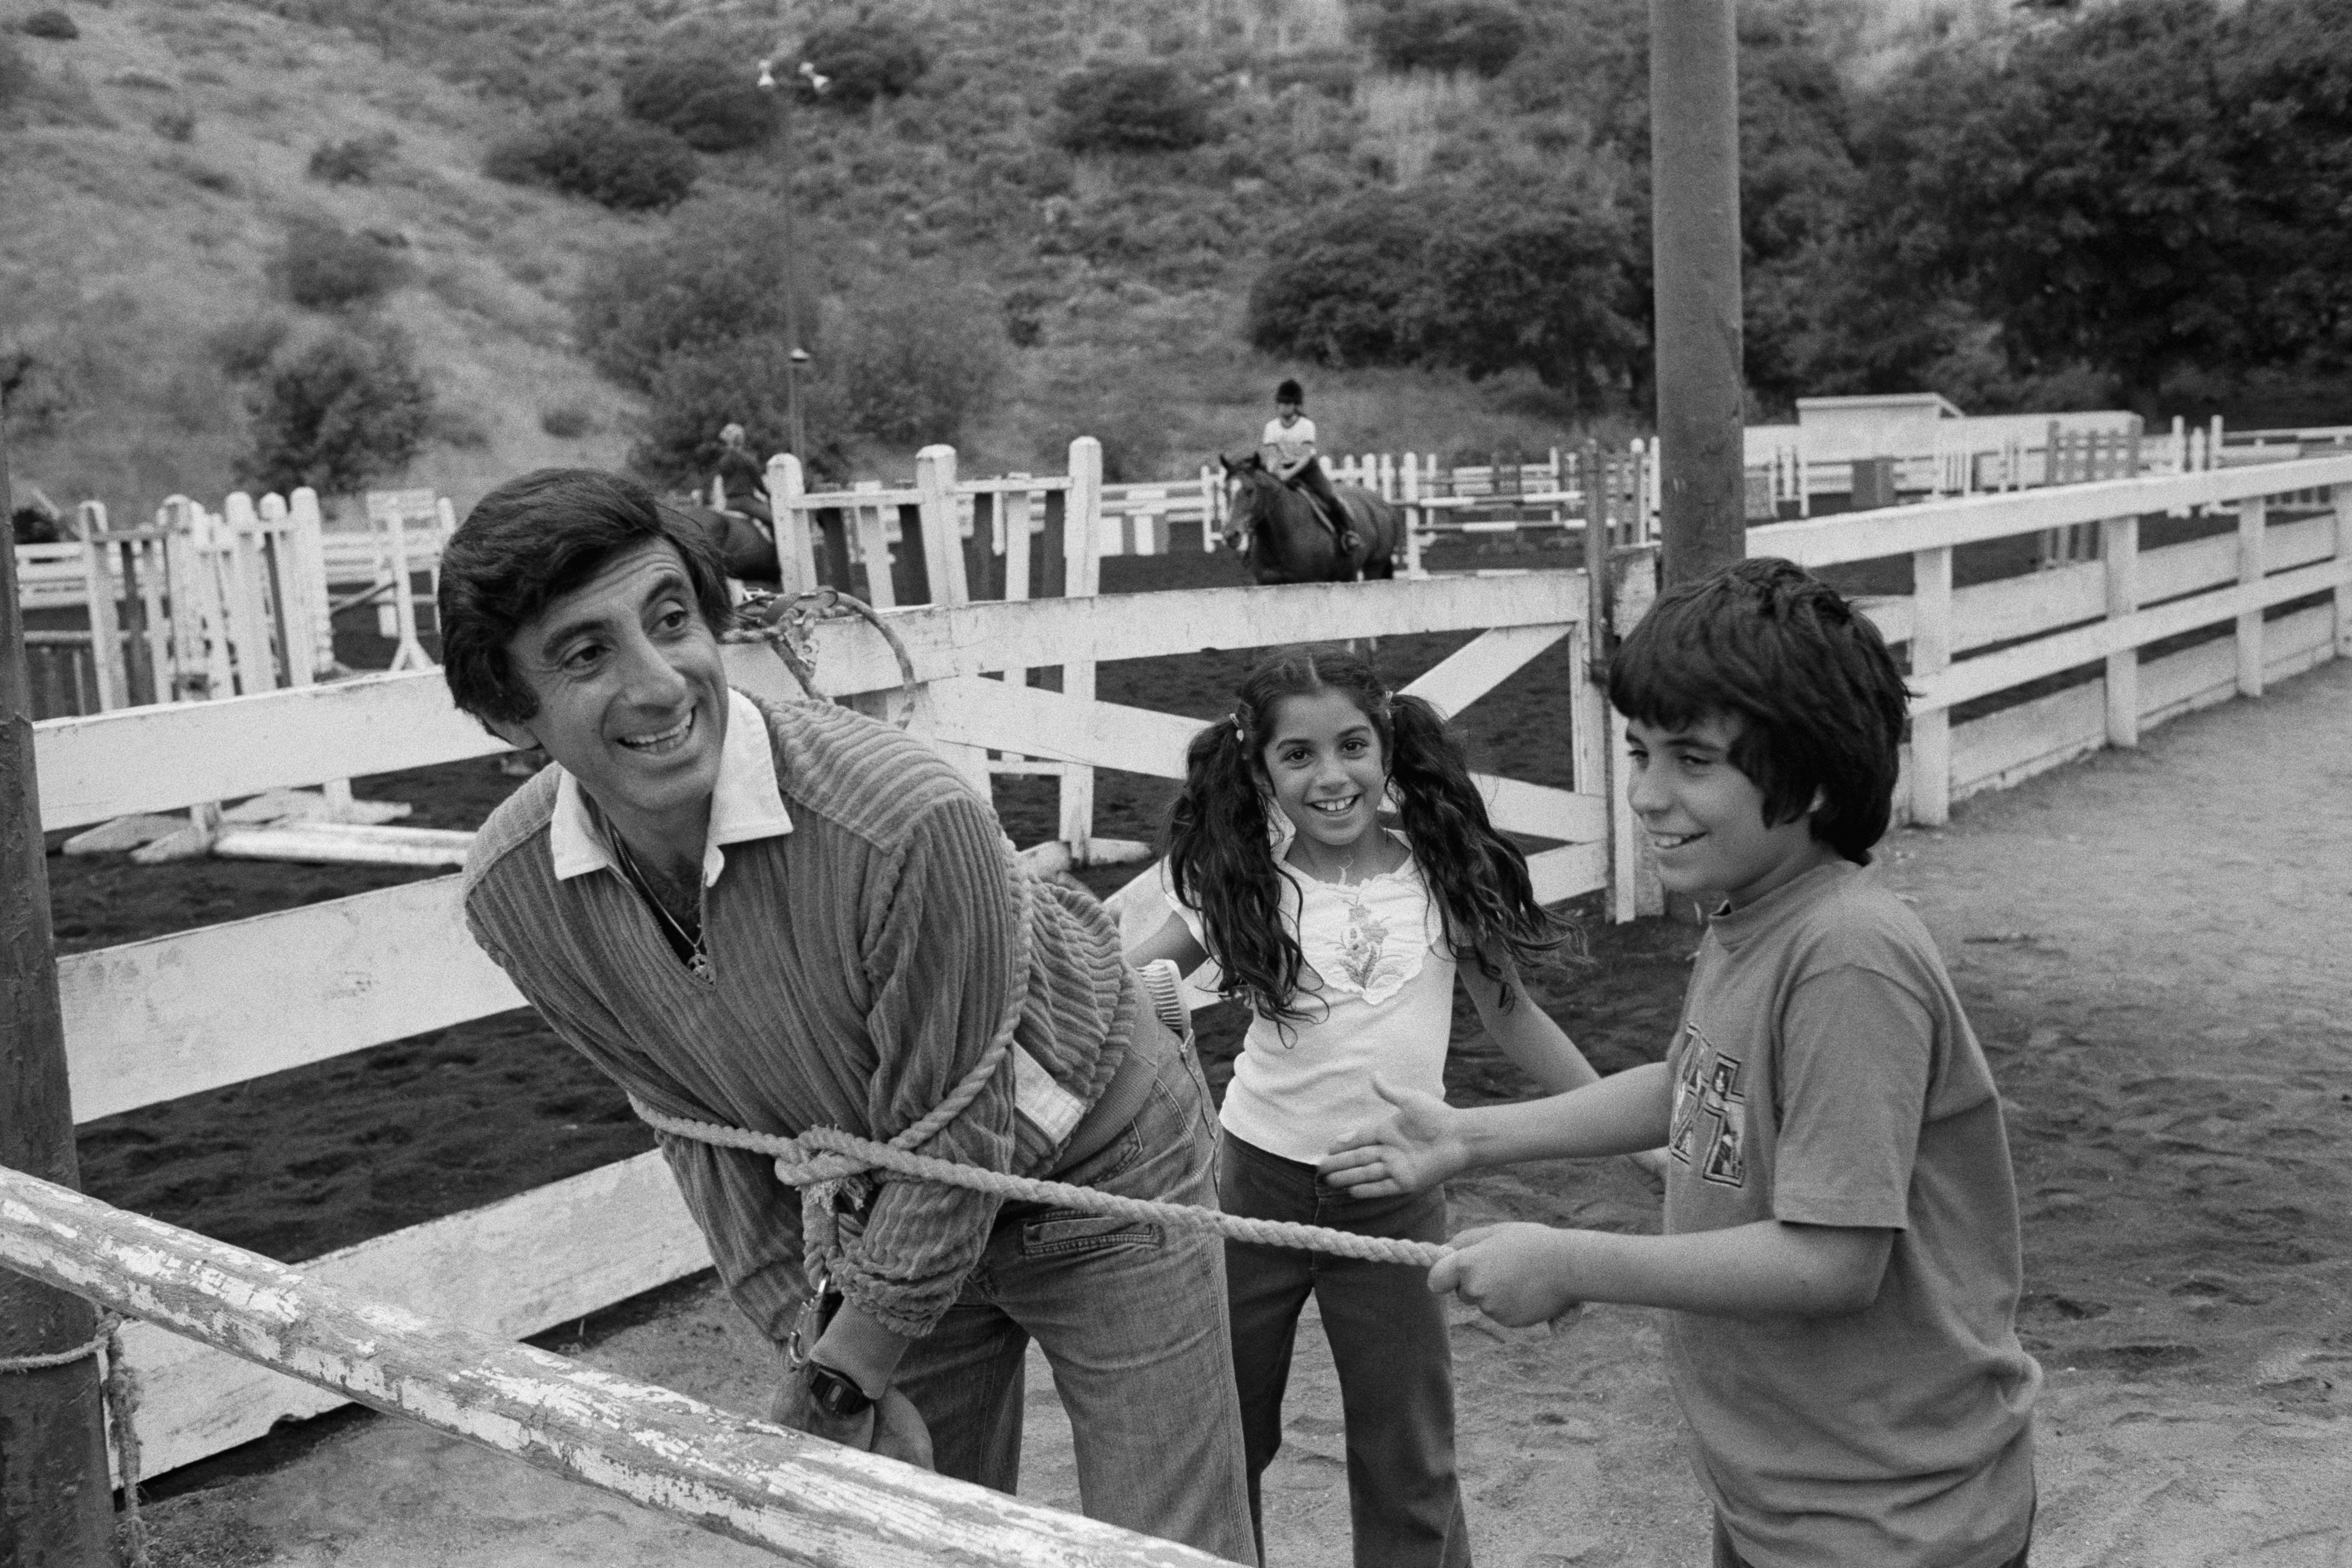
(1840, 1256)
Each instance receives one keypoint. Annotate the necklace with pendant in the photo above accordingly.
(698, 958)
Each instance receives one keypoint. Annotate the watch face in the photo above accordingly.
(836, 1394)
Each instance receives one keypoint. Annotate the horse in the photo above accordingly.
(747, 552)
(1284, 535)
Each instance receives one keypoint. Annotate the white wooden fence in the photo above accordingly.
(150, 1021)
(808, 1501)
(2026, 629)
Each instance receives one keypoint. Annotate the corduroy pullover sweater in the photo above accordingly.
(860, 965)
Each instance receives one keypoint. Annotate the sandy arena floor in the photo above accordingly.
(2152, 946)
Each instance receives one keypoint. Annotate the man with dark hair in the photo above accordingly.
(786, 915)
(1840, 1259)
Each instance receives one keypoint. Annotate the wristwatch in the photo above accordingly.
(837, 1397)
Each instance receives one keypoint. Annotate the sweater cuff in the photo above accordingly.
(771, 1298)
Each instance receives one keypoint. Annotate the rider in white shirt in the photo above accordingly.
(1288, 449)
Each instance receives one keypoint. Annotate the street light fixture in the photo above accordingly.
(797, 357)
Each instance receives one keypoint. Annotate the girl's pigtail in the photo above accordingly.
(1220, 862)
(1477, 877)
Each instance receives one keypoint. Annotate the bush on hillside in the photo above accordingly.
(616, 163)
(1130, 107)
(244, 349)
(709, 96)
(174, 125)
(720, 274)
(914, 359)
(566, 421)
(1479, 36)
(49, 24)
(695, 393)
(1344, 285)
(864, 60)
(321, 267)
(351, 162)
(341, 412)
(16, 78)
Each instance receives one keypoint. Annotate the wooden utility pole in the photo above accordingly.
(1694, 207)
(57, 1505)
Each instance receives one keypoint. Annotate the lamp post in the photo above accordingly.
(796, 357)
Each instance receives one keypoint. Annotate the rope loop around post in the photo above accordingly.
(119, 1386)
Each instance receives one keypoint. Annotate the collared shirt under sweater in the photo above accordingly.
(858, 914)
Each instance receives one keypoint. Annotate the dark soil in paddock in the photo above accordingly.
(319, 1157)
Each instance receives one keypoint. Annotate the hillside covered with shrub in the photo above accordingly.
(583, 230)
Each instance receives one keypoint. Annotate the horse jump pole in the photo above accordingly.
(57, 1505)
(1695, 208)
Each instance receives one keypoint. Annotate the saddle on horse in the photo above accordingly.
(1312, 482)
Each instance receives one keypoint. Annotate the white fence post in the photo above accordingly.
(1081, 578)
(2119, 546)
(2254, 513)
(99, 593)
(1931, 655)
(935, 477)
(2342, 495)
(796, 554)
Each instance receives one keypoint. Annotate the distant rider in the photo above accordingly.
(1288, 449)
(745, 480)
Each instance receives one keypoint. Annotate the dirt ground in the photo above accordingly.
(2151, 946)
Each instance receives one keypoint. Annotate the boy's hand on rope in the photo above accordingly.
(1419, 1145)
(1517, 1274)
(891, 1426)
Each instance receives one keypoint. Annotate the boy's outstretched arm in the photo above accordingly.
(1424, 1140)
(1521, 1274)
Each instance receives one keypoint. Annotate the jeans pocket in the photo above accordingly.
(1067, 1231)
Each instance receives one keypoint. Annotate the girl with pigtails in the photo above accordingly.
(1344, 935)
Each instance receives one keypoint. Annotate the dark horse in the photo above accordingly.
(1286, 539)
(747, 550)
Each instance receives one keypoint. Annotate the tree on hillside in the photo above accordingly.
(1343, 286)
(864, 59)
(2079, 191)
(346, 409)
(2289, 85)
(706, 93)
(719, 275)
(1479, 36)
(1541, 277)
(1122, 106)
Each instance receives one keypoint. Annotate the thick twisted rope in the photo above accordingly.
(784, 624)
(120, 1388)
(816, 1154)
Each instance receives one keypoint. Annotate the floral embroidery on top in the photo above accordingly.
(1363, 945)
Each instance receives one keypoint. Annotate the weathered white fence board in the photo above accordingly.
(1570, 871)
(973, 639)
(164, 758)
(2048, 655)
(149, 1021)
(2041, 602)
(513, 1269)
(2014, 744)
(810, 1500)
(1869, 535)
(1476, 668)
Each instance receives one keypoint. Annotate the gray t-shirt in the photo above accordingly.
(1825, 1075)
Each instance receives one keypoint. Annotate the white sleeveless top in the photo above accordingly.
(1377, 990)
(1290, 442)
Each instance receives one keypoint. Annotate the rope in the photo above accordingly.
(120, 1389)
(820, 1153)
(784, 624)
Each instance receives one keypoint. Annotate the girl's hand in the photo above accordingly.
(1417, 1147)
(1517, 1274)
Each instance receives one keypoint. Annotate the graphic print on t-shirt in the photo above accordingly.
(1364, 947)
(1710, 1114)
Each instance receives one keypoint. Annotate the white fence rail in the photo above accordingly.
(2102, 612)
(809, 1500)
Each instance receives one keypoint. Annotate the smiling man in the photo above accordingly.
(788, 916)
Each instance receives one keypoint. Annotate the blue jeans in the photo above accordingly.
(1131, 1317)
(1388, 1341)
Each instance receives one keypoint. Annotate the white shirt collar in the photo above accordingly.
(747, 803)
